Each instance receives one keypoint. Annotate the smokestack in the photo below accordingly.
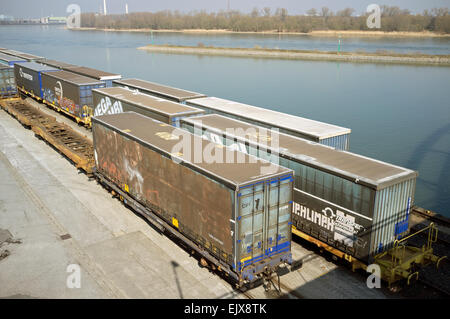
(104, 7)
(126, 8)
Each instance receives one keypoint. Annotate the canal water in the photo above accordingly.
(398, 113)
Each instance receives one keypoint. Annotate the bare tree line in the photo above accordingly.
(392, 19)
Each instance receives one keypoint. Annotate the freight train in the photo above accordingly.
(353, 206)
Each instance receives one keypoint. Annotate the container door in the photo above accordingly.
(250, 223)
(278, 216)
(264, 219)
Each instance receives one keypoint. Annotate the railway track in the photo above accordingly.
(75, 146)
(431, 216)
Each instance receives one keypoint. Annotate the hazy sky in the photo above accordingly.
(36, 8)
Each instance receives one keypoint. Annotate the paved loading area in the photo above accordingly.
(53, 220)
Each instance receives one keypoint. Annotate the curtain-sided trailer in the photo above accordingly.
(237, 214)
(323, 133)
(357, 205)
(70, 92)
(117, 100)
(159, 90)
(22, 55)
(10, 59)
(7, 83)
(28, 77)
(106, 77)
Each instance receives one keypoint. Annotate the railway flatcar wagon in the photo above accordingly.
(163, 91)
(117, 100)
(235, 214)
(10, 60)
(323, 133)
(24, 56)
(7, 83)
(70, 92)
(354, 205)
(99, 75)
(28, 77)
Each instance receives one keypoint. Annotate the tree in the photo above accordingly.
(347, 12)
(281, 13)
(312, 12)
(326, 12)
(255, 13)
(266, 11)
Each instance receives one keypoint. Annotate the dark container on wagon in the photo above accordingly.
(70, 92)
(117, 100)
(238, 213)
(29, 77)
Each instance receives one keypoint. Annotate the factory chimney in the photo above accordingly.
(126, 8)
(104, 7)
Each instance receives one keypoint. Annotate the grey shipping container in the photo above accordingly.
(7, 82)
(323, 133)
(10, 59)
(236, 212)
(117, 100)
(28, 76)
(353, 203)
(163, 91)
(69, 91)
(58, 64)
(103, 76)
(22, 55)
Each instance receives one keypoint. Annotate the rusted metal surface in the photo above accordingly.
(25, 113)
(210, 203)
(73, 145)
(70, 143)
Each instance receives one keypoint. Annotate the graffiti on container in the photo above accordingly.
(107, 107)
(53, 96)
(134, 175)
(341, 224)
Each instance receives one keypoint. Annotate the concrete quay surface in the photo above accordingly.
(58, 218)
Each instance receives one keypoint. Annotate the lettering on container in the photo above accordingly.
(25, 75)
(107, 107)
(341, 224)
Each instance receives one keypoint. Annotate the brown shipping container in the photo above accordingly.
(237, 211)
